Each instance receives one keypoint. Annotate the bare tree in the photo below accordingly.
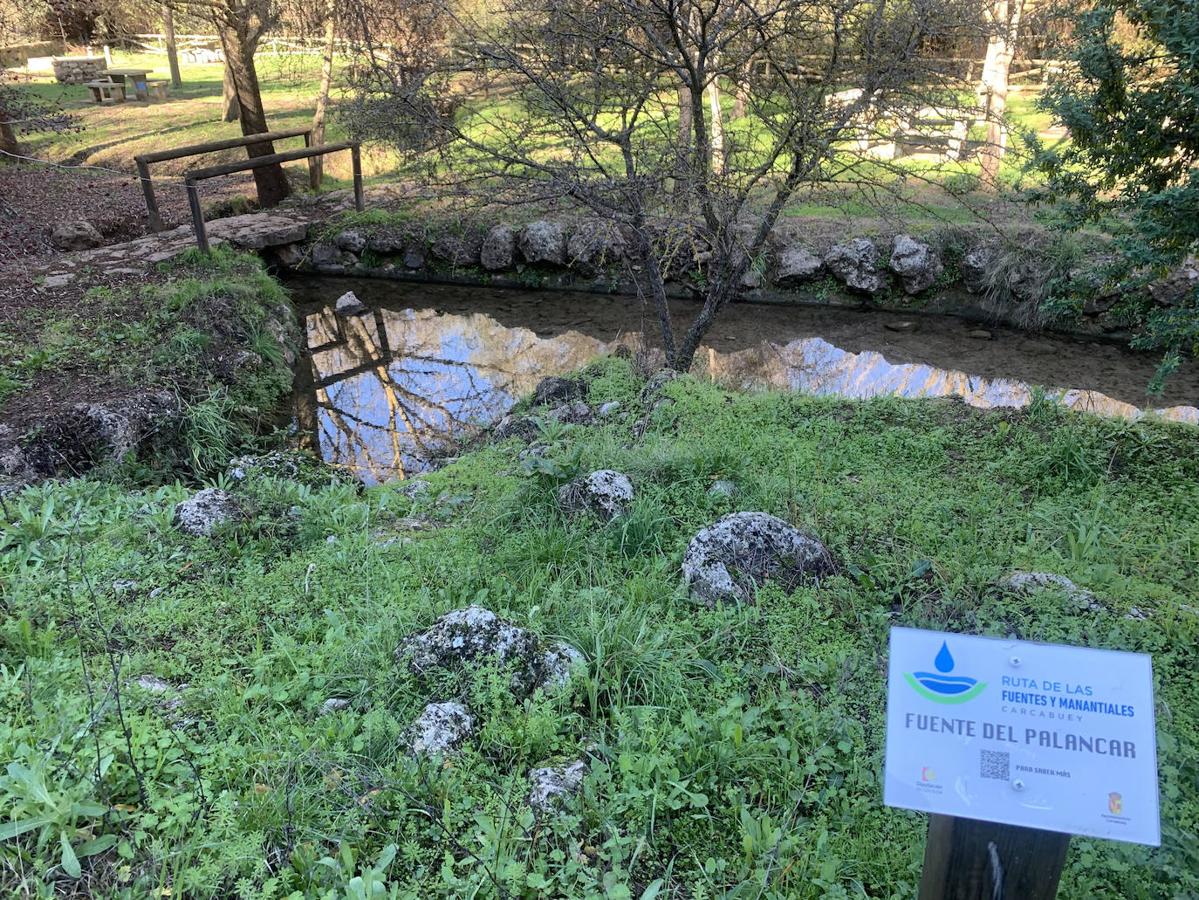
(597, 84)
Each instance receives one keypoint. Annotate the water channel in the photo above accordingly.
(382, 393)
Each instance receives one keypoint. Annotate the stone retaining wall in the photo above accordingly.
(896, 272)
(78, 69)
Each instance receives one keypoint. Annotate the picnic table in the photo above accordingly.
(135, 77)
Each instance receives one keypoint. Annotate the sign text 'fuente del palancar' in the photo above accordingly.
(1041, 735)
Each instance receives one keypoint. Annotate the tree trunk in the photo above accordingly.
(8, 137)
(741, 93)
(168, 29)
(231, 111)
(1000, 49)
(683, 166)
(317, 167)
(717, 127)
(239, 57)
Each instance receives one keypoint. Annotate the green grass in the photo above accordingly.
(112, 135)
(732, 752)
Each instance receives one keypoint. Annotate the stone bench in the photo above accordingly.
(157, 88)
(106, 91)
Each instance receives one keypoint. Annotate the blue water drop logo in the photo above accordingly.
(942, 687)
(944, 660)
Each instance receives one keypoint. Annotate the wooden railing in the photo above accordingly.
(145, 160)
(197, 175)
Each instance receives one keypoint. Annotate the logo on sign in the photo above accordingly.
(1115, 803)
(927, 774)
(942, 687)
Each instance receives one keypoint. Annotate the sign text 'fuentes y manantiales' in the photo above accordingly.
(1039, 735)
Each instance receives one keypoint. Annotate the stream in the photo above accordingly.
(383, 393)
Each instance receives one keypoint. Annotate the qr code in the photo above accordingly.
(995, 764)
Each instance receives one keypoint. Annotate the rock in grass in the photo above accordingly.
(478, 636)
(439, 729)
(205, 511)
(332, 705)
(723, 488)
(606, 493)
(729, 559)
(554, 390)
(856, 264)
(1032, 582)
(348, 304)
(916, 263)
(552, 786)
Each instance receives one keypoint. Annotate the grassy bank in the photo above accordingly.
(733, 751)
(213, 332)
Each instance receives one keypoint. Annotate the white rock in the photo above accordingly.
(440, 729)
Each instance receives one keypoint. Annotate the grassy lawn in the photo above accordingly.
(112, 135)
(729, 752)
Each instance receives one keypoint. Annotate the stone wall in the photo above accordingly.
(78, 69)
(917, 273)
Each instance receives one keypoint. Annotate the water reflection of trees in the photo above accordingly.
(389, 390)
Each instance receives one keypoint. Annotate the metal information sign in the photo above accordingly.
(1039, 735)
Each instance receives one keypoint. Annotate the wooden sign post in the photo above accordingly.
(1014, 746)
(965, 859)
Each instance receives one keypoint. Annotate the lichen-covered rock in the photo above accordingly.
(457, 249)
(916, 263)
(523, 427)
(348, 304)
(477, 636)
(543, 242)
(559, 390)
(609, 409)
(414, 256)
(593, 245)
(86, 435)
(552, 786)
(299, 466)
(856, 264)
(729, 559)
(80, 235)
(1032, 582)
(333, 705)
(577, 413)
(499, 248)
(974, 267)
(440, 729)
(414, 488)
(387, 240)
(205, 511)
(351, 240)
(606, 493)
(797, 264)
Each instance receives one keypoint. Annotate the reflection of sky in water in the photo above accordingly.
(388, 401)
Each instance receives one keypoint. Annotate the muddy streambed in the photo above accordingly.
(384, 392)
